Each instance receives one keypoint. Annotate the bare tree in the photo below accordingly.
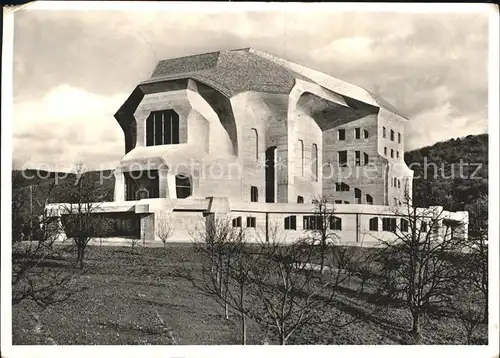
(417, 263)
(33, 274)
(467, 306)
(321, 226)
(80, 215)
(164, 228)
(476, 260)
(224, 265)
(286, 291)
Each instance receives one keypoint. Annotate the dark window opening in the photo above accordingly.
(392, 153)
(366, 159)
(313, 222)
(251, 221)
(346, 202)
(343, 158)
(300, 199)
(291, 223)
(358, 132)
(404, 225)
(389, 224)
(374, 224)
(385, 150)
(142, 185)
(366, 133)
(423, 226)
(162, 127)
(341, 134)
(335, 223)
(183, 186)
(358, 158)
(369, 199)
(342, 187)
(383, 132)
(399, 137)
(357, 196)
(338, 201)
(392, 135)
(254, 194)
(237, 222)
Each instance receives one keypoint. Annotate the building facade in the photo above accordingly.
(244, 134)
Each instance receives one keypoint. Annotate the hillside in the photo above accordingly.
(440, 178)
(452, 173)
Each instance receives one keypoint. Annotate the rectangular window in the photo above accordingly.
(389, 224)
(358, 158)
(338, 201)
(385, 150)
(251, 221)
(341, 134)
(374, 224)
(366, 158)
(343, 158)
(162, 127)
(383, 132)
(397, 153)
(335, 223)
(346, 202)
(366, 133)
(404, 225)
(392, 135)
(291, 223)
(392, 153)
(312, 222)
(399, 137)
(357, 132)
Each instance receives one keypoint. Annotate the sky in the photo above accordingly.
(74, 69)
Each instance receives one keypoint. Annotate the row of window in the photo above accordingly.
(315, 222)
(340, 186)
(342, 158)
(396, 183)
(357, 134)
(392, 152)
(392, 135)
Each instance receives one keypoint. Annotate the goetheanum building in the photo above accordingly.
(255, 137)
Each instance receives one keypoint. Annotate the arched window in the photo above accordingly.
(357, 196)
(254, 194)
(369, 199)
(300, 199)
(183, 186)
(335, 223)
(374, 224)
(315, 162)
(255, 141)
(301, 153)
(162, 127)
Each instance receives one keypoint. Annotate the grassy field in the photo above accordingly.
(127, 297)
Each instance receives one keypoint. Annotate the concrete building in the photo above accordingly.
(255, 137)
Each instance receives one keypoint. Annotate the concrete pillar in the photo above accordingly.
(147, 228)
(119, 193)
(163, 183)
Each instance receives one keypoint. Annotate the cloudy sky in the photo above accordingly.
(73, 69)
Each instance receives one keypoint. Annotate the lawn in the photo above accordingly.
(126, 297)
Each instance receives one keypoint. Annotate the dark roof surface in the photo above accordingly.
(231, 71)
(235, 71)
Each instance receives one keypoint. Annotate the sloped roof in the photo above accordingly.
(235, 71)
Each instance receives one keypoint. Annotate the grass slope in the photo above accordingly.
(122, 294)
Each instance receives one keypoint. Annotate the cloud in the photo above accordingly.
(427, 65)
(65, 126)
